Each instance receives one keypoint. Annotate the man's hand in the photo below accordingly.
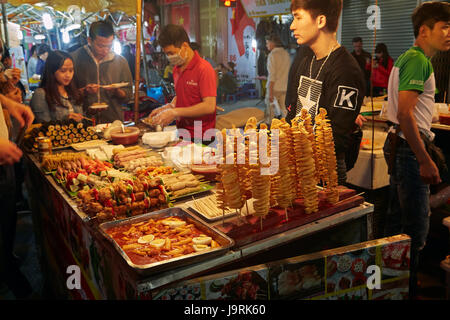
(9, 152)
(429, 172)
(76, 116)
(165, 117)
(21, 112)
(91, 88)
(15, 95)
(407, 100)
(360, 120)
(157, 111)
(118, 92)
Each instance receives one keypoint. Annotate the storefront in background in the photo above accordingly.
(391, 19)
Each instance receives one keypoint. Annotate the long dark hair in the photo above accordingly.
(49, 83)
(382, 48)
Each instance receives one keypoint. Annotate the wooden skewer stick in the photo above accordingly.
(223, 217)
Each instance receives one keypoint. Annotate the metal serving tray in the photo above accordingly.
(148, 269)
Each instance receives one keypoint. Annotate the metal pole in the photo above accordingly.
(138, 59)
(58, 37)
(144, 58)
(5, 24)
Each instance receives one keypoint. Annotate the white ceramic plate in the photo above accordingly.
(115, 85)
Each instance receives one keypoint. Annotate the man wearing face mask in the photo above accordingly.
(96, 65)
(195, 86)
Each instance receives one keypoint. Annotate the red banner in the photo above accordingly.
(180, 16)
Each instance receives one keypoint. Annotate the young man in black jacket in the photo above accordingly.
(329, 77)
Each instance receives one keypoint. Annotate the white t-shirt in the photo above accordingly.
(278, 65)
(413, 71)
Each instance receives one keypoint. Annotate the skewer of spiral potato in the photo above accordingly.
(325, 144)
(284, 185)
(307, 170)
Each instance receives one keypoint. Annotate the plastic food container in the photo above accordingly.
(130, 136)
(158, 139)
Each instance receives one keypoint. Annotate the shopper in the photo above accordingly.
(57, 98)
(31, 68)
(329, 77)
(363, 58)
(95, 64)
(278, 64)
(10, 154)
(43, 51)
(410, 107)
(227, 83)
(195, 85)
(131, 59)
(382, 67)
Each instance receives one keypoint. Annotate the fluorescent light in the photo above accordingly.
(65, 36)
(117, 47)
(48, 22)
(73, 27)
(39, 37)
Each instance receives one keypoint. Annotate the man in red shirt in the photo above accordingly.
(194, 106)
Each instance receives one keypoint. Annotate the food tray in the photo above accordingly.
(190, 206)
(225, 242)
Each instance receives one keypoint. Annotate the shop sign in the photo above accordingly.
(260, 8)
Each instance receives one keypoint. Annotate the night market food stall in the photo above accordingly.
(138, 222)
(143, 220)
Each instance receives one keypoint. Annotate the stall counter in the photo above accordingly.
(68, 237)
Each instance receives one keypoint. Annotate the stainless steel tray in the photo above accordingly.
(148, 269)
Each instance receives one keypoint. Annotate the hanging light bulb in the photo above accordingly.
(48, 22)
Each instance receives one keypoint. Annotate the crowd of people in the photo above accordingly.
(323, 73)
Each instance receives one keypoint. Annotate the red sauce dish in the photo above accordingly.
(130, 136)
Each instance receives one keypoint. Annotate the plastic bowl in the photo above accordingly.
(157, 139)
(130, 136)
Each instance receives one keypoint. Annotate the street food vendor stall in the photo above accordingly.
(140, 216)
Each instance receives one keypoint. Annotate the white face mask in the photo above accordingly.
(176, 59)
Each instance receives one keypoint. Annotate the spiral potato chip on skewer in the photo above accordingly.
(260, 190)
(307, 171)
(307, 122)
(327, 156)
(284, 185)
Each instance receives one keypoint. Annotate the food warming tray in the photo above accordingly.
(225, 242)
